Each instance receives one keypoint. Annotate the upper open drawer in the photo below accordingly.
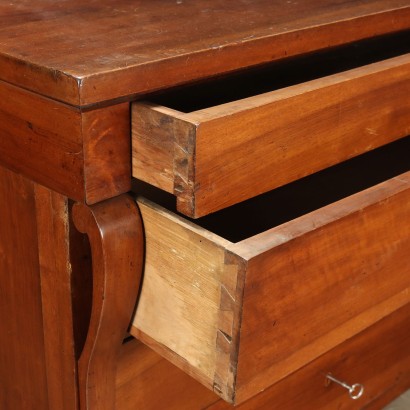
(319, 110)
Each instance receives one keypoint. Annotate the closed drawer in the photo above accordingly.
(378, 358)
(240, 314)
(320, 110)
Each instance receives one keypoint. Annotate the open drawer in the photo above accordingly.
(378, 358)
(220, 143)
(240, 305)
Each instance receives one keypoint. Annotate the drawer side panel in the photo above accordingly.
(255, 145)
(188, 308)
(308, 294)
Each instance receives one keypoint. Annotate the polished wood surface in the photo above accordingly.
(41, 139)
(37, 357)
(242, 316)
(102, 50)
(82, 155)
(68, 72)
(23, 379)
(116, 238)
(378, 357)
(56, 277)
(106, 153)
(287, 134)
(339, 258)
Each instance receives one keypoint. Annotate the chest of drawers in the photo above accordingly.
(228, 184)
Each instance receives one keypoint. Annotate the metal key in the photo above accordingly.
(355, 390)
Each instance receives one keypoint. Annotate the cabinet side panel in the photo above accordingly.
(56, 292)
(22, 357)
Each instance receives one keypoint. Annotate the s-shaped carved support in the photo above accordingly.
(115, 232)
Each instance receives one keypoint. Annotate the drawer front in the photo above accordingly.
(241, 316)
(378, 358)
(222, 155)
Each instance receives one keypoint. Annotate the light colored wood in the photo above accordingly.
(155, 134)
(242, 316)
(289, 133)
(186, 320)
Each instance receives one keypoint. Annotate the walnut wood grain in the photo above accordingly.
(241, 316)
(115, 232)
(82, 155)
(87, 53)
(221, 155)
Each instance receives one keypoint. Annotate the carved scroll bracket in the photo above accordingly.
(115, 231)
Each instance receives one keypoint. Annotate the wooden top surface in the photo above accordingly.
(89, 52)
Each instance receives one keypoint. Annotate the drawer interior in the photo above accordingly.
(283, 74)
(283, 204)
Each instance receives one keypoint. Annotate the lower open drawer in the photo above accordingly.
(239, 314)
